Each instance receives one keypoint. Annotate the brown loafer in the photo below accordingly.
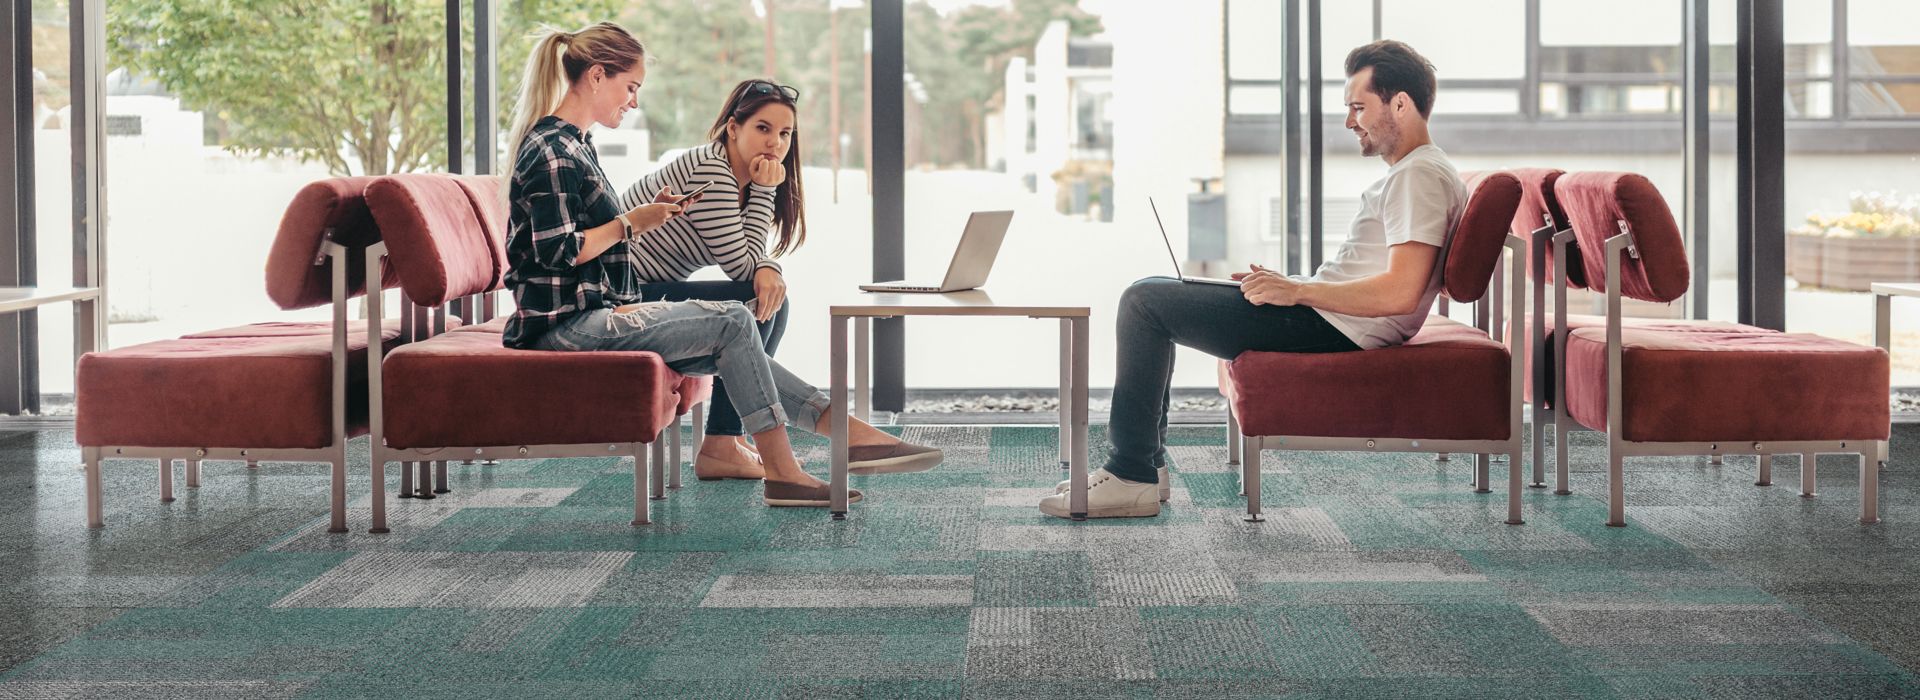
(780, 494)
(898, 458)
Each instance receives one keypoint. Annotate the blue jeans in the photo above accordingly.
(722, 419)
(701, 338)
(1158, 312)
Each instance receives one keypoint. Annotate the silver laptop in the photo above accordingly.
(972, 260)
(1177, 274)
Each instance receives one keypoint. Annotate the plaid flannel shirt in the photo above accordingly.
(558, 192)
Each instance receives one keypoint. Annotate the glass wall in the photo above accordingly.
(1082, 118)
(216, 114)
(53, 188)
(1853, 181)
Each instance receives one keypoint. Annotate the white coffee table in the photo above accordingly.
(863, 307)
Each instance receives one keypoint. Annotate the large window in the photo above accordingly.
(216, 114)
(1853, 214)
(53, 185)
(1075, 115)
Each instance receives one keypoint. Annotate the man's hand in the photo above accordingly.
(769, 292)
(1254, 268)
(1264, 287)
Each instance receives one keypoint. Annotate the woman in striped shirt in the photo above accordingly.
(752, 213)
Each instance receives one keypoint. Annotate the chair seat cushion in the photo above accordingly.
(693, 390)
(496, 326)
(246, 392)
(296, 329)
(1448, 382)
(1725, 386)
(1578, 321)
(468, 390)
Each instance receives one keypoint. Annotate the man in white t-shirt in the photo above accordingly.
(1375, 292)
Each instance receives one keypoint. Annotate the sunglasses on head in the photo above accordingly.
(762, 87)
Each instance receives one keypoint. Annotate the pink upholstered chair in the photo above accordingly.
(280, 391)
(464, 395)
(1551, 239)
(1704, 390)
(1450, 388)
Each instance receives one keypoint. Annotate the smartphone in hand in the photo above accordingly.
(694, 193)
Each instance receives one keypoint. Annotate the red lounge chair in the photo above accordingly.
(273, 391)
(1551, 239)
(466, 396)
(1705, 391)
(1450, 388)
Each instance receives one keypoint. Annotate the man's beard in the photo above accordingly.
(1380, 141)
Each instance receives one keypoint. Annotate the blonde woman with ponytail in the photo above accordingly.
(576, 288)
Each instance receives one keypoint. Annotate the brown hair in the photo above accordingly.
(559, 59)
(789, 204)
(1397, 68)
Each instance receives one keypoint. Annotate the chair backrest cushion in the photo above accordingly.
(332, 209)
(1538, 207)
(435, 237)
(1481, 235)
(1598, 205)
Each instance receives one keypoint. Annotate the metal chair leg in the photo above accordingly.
(406, 481)
(166, 481)
(95, 511)
(1869, 490)
(641, 473)
(1808, 463)
(1616, 491)
(679, 455)
(659, 467)
(440, 477)
(1250, 476)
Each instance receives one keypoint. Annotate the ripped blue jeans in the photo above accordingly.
(702, 338)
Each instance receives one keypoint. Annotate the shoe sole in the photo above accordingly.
(852, 498)
(897, 465)
(1134, 511)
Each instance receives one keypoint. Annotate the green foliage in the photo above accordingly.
(360, 84)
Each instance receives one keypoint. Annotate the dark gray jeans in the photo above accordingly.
(1158, 312)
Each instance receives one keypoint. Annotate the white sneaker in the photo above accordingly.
(1165, 486)
(1108, 496)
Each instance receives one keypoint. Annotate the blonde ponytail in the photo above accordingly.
(540, 90)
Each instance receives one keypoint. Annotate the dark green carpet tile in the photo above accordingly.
(1374, 575)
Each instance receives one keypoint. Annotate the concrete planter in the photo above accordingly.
(1851, 264)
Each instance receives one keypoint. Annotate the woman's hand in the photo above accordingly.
(769, 292)
(767, 172)
(648, 217)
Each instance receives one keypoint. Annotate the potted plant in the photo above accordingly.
(1876, 240)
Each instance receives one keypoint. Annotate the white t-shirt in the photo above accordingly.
(1420, 200)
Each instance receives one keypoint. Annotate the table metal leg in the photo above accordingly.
(862, 392)
(1883, 321)
(837, 421)
(1078, 469)
(1066, 392)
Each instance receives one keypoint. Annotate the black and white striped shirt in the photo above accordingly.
(715, 230)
